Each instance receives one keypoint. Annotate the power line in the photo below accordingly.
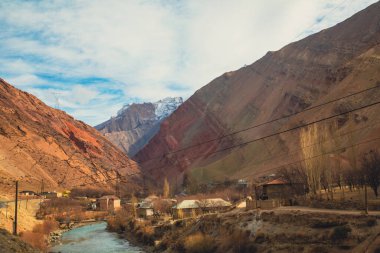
(303, 147)
(246, 129)
(343, 148)
(260, 124)
(287, 130)
(322, 154)
(257, 139)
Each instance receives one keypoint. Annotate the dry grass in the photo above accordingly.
(200, 243)
(39, 235)
(238, 241)
(37, 240)
(46, 227)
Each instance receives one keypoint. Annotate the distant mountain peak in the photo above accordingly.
(163, 107)
(136, 123)
(166, 106)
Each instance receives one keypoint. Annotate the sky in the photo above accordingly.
(90, 57)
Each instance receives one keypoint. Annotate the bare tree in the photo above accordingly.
(166, 189)
(297, 178)
(371, 170)
(134, 204)
(310, 142)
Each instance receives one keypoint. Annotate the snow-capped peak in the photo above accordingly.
(165, 107)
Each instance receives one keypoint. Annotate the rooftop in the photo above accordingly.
(277, 181)
(109, 197)
(216, 202)
(189, 203)
(194, 203)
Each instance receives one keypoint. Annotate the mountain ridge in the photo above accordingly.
(42, 143)
(135, 124)
(324, 65)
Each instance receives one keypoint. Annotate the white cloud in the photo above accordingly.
(147, 49)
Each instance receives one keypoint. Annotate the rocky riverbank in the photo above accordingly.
(54, 237)
(256, 231)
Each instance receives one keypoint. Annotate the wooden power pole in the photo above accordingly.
(16, 205)
(117, 185)
(365, 197)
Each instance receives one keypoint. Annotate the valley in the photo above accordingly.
(280, 155)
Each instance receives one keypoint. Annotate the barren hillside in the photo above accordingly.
(41, 143)
(325, 66)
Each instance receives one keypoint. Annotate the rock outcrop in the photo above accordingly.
(327, 65)
(41, 143)
(136, 124)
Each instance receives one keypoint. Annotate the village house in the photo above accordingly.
(186, 209)
(281, 189)
(27, 193)
(252, 203)
(214, 205)
(108, 203)
(144, 210)
(242, 183)
(150, 198)
(51, 195)
(154, 206)
(191, 208)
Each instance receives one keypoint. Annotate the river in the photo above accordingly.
(93, 238)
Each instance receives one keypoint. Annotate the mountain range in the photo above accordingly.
(322, 67)
(135, 124)
(42, 144)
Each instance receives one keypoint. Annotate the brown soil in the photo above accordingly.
(42, 143)
(265, 231)
(13, 244)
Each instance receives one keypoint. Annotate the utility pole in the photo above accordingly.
(117, 186)
(42, 190)
(365, 197)
(42, 186)
(15, 220)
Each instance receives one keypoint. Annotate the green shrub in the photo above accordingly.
(340, 233)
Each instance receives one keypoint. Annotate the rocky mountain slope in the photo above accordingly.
(327, 65)
(41, 143)
(136, 124)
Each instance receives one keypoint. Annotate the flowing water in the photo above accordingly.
(93, 238)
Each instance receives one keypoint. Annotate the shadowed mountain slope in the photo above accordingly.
(327, 65)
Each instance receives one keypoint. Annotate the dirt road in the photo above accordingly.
(319, 210)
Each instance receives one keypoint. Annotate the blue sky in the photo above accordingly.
(96, 55)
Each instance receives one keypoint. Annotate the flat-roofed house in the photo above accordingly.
(109, 203)
(51, 195)
(186, 208)
(191, 208)
(214, 205)
(144, 210)
(281, 189)
(27, 193)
